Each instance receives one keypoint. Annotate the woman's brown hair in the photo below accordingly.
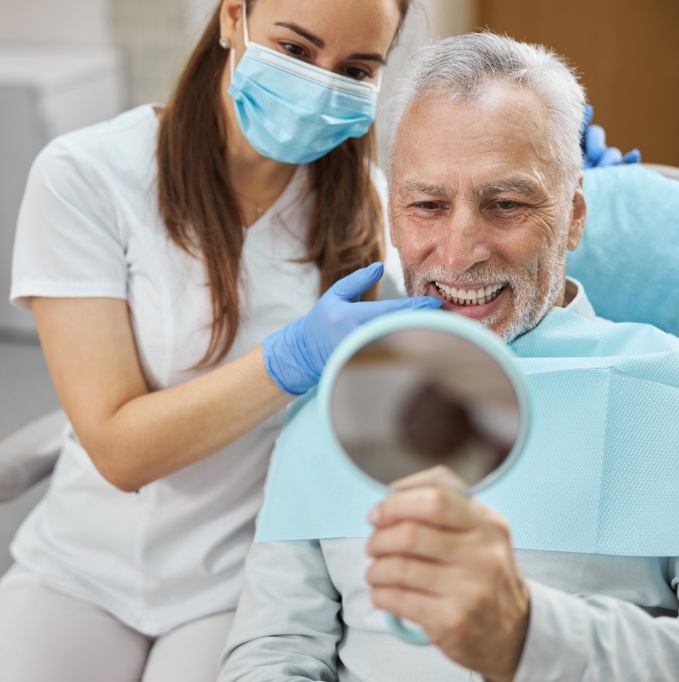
(198, 206)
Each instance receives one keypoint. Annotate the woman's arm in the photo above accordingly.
(135, 436)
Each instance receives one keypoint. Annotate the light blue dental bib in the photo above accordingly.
(599, 472)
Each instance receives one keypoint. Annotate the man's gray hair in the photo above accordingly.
(460, 68)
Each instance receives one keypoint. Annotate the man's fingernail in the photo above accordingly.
(374, 515)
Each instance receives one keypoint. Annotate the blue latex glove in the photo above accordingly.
(296, 354)
(594, 150)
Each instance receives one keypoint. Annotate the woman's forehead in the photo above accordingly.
(358, 25)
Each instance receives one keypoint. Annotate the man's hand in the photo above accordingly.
(446, 562)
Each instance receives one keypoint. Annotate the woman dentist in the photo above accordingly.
(173, 258)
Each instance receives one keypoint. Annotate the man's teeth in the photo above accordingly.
(470, 296)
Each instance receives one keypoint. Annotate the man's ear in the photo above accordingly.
(578, 215)
(230, 18)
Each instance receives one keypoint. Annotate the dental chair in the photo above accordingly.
(29, 454)
(629, 253)
(632, 221)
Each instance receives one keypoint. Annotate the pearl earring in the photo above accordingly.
(224, 43)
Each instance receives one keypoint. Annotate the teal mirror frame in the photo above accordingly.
(436, 320)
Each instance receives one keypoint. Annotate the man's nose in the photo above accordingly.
(464, 239)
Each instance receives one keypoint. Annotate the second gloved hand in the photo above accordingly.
(594, 149)
(296, 354)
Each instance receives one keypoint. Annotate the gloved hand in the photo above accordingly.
(296, 354)
(594, 149)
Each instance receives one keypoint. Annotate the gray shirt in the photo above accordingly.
(306, 614)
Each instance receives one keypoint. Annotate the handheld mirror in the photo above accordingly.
(412, 390)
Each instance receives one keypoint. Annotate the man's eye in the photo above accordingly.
(428, 205)
(507, 204)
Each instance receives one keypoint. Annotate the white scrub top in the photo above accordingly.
(89, 227)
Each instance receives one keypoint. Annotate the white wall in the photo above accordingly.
(47, 23)
(196, 15)
(154, 36)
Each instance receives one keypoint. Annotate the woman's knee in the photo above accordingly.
(46, 633)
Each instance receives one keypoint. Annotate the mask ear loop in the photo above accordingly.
(378, 83)
(246, 40)
(246, 34)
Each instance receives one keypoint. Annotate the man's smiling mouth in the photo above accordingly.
(476, 296)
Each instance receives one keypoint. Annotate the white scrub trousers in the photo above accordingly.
(49, 634)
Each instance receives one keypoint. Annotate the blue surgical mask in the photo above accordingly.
(294, 112)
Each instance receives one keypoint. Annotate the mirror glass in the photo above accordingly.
(415, 398)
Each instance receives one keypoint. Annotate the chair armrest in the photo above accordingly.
(667, 171)
(29, 454)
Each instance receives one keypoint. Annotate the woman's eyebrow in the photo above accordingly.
(320, 43)
(367, 57)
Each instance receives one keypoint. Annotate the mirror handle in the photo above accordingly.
(413, 634)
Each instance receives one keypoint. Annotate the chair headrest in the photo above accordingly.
(628, 260)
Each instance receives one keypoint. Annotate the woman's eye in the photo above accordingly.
(357, 73)
(294, 50)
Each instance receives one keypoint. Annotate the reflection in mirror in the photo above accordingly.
(415, 398)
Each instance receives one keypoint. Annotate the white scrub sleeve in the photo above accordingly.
(67, 243)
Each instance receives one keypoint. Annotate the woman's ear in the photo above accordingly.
(577, 217)
(230, 21)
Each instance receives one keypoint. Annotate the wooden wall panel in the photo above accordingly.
(626, 53)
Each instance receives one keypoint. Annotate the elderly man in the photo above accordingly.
(486, 199)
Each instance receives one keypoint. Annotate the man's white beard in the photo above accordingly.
(528, 303)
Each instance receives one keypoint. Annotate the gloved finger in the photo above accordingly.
(362, 312)
(358, 282)
(611, 157)
(589, 114)
(632, 157)
(418, 303)
(595, 143)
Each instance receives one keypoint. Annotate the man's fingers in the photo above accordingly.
(422, 608)
(410, 573)
(410, 538)
(433, 505)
